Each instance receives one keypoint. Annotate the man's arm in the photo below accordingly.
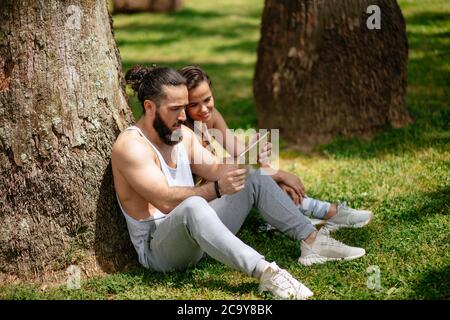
(203, 162)
(146, 178)
(134, 161)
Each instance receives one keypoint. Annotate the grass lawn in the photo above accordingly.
(402, 175)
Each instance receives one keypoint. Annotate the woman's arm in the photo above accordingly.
(230, 142)
(235, 148)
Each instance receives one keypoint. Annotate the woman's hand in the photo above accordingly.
(293, 182)
(264, 155)
(291, 193)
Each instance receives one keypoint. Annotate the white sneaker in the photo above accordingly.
(317, 222)
(266, 227)
(282, 285)
(346, 217)
(324, 248)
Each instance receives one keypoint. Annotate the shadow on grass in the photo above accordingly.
(417, 207)
(182, 25)
(430, 47)
(246, 46)
(202, 275)
(429, 59)
(433, 285)
(427, 18)
(395, 141)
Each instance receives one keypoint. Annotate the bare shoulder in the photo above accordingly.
(216, 113)
(130, 147)
(187, 133)
(188, 138)
(217, 121)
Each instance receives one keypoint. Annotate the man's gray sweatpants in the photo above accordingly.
(196, 226)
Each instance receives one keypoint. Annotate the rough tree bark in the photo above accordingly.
(130, 6)
(62, 105)
(322, 73)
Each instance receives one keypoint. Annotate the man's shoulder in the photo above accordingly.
(127, 139)
(186, 130)
(187, 135)
(129, 144)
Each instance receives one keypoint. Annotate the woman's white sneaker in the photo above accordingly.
(282, 285)
(324, 248)
(347, 217)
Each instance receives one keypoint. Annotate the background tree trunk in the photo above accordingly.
(322, 73)
(129, 6)
(62, 105)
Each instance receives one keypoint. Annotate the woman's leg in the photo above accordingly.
(314, 208)
(274, 205)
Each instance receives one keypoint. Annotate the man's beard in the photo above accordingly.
(167, 135)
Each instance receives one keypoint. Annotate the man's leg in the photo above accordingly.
(192, 228)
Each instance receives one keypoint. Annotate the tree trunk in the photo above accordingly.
(130, 6)
(62, 105)
(321, 72)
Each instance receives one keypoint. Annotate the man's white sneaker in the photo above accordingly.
(282, 285)
(346, 217)
(324, 248)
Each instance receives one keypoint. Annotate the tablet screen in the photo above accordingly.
(253, 147)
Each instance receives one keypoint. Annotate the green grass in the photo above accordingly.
(221, 36)
(403, 175)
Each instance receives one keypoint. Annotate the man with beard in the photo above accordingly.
(172, 223)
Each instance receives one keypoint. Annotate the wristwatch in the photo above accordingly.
(216, 186)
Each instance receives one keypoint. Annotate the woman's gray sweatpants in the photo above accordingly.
(196, 226)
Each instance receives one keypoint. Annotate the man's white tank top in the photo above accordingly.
(181, 176)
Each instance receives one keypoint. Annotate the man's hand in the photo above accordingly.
(233, 181)
(291, 193)
(293, 182)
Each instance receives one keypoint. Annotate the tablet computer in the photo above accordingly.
(252, 149)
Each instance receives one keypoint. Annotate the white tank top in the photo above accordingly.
(181, 176)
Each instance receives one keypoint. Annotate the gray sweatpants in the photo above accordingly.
(196, 226)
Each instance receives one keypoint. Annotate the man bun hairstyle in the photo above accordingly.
(148, 82)
(194, 76)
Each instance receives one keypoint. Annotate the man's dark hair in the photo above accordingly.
(148, 82)
(194, 76)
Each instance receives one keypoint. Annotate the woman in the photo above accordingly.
(201, 110)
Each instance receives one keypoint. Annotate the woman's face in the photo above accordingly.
(201, 103)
